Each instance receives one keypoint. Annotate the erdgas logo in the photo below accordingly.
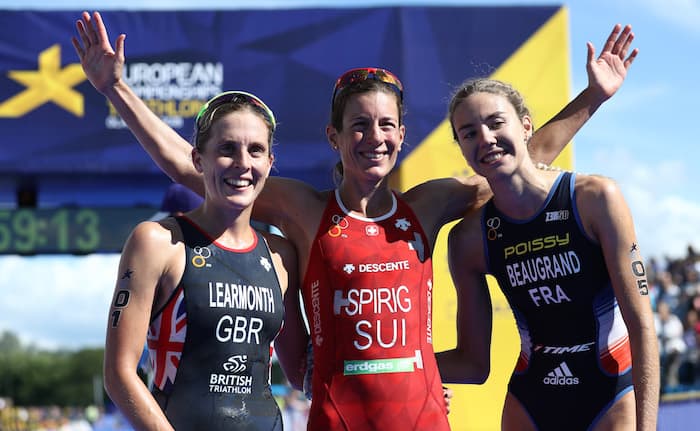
(381, 366)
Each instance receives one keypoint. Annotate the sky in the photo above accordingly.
(636, 139)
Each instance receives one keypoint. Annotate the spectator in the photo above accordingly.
(691, 279)
(669, 291)
(688, 370)
(669, 330)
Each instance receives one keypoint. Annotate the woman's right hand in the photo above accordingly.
(101, 63)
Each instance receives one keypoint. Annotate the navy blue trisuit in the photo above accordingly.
(575, 358)
(210, 345)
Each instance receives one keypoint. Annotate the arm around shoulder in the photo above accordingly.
(469, 361)
(443, 200)
(292, 340)
(293, 206)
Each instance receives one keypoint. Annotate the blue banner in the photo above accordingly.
(53, 122)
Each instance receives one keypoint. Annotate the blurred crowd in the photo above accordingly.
(49, 418)
(674, 288)
(293, 404)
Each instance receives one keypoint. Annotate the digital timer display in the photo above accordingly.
(68, 230)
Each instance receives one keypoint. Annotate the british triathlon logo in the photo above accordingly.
(236, 364)
(234, 382)
(560, 376)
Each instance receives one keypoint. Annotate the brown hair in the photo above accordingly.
(486, 85)
(341, 100)
(211, 116)
(361, 87)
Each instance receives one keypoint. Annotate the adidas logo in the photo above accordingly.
(560, 376)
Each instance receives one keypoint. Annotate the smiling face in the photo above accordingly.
(371, 135)
(235, 159)
(491, 135)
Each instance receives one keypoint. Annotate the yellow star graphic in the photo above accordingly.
(48, 84)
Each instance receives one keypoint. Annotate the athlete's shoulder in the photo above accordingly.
(595, 187)
(293, 206)
(442, 200)
(158, 233)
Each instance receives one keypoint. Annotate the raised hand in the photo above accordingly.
(101, 63)
(607, 72)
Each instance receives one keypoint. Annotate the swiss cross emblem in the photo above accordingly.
(371, 230)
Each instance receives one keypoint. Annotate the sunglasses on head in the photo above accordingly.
(353, 76)
(235, 97)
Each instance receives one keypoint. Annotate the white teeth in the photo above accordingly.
(238, 183)
(373, 155)
(492, 157)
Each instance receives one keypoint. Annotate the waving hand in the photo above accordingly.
(102, 64)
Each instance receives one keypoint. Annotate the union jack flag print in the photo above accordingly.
(166, 338)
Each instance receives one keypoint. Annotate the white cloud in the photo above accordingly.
(683, 13)
(57, 301)
(664, 217)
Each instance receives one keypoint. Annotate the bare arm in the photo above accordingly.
(140, 269)
(103, 66)
(291, 342)
(469, 361)
(454, 197)
(606, 214)
(605, 76)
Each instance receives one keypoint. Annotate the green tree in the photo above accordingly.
(34, 377)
